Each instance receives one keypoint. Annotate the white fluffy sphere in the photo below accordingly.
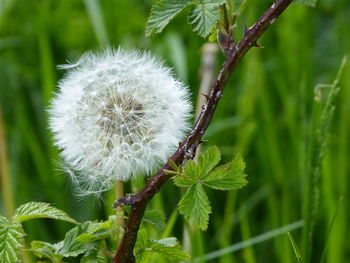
(116, 115)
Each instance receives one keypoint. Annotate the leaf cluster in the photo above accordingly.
(195, 205)
(168, 248)
(11, 231)
(203, 17)
(91, 241)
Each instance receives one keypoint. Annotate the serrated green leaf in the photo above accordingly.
(162, 12)
(155, 217)
(72, 247)
(142, 254)
(96, 231)
(189, 177)
(94, 256)
(204, 16)
(11, 241)
(33, 210)
(191, 169)
(229, 176)
(311, 3)
(46, 250)
(168, 248)
(195, 206)
(208, 160)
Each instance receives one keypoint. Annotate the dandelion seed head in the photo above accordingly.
(116, 115)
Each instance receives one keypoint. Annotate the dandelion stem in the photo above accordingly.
(187, 147)
(119, 193)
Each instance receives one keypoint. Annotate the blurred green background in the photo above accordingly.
(265, 115)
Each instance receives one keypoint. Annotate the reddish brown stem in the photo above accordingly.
(188, 146)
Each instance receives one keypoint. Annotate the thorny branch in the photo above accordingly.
(187, 147)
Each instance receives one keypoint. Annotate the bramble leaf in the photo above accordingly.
(141, 251)
(73, 247)
(11, 241)
(208, 160)
(94, 256)
(229, 176)
(195, 206)
(161, 14)
(33, 210)
(46, 250)
(204, 16)
(155, 217)
(189, 177)
(168, 248)
(76, 240)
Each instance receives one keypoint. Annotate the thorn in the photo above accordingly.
(202, 141)
(255, 44)
(246, 29)
(205, 95)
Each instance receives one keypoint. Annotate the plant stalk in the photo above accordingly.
(187, 147)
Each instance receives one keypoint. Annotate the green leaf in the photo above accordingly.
(94, 256)
(46, 250)
(311, 3)
(204, 16)
(73, 247)
(194, 205)
(189, 177)
(142, 254)
(229, 176)
(162, 12)
(155, 217)
(208, 160)
(77, 239)
(168, 248)
(33, 210)
(11, 241)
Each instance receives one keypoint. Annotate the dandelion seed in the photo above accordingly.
(116, 115)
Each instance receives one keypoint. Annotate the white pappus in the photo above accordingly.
(117, 114)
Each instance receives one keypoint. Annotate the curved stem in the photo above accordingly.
(187, 147)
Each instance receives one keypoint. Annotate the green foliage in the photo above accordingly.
(229, 176)
(162, 12)
(34, 210)
(11, 241)
(194, 205)
(168, 248)
(87, 238)
(154, 217)
(263, 116)
(12, 233)
(204, 16)
(94, 256)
